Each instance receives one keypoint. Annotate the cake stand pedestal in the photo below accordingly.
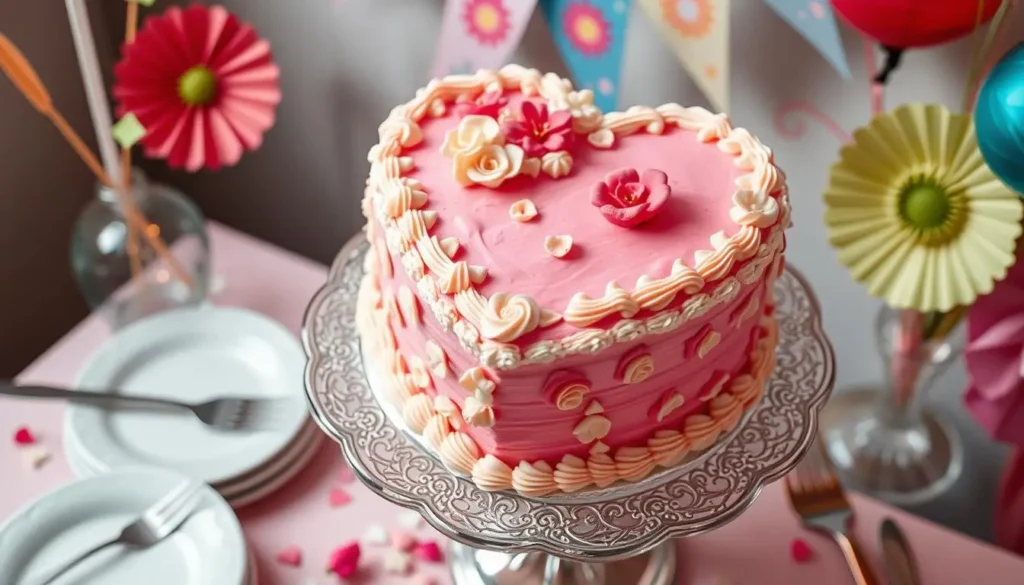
(617, 535)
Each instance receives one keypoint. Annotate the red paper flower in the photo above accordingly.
(202, 83)
(486, 104)
(537, 131)
(627, 199)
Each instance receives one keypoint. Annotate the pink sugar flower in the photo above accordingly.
(487, 104)
(626, 199)
(537, 131)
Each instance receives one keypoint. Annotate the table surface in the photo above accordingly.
(753, 550)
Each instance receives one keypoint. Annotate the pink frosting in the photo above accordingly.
(701, 178)
(530, 427)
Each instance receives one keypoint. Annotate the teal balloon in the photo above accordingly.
(999, 119)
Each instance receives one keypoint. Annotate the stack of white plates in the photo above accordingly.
(208, 549)
(194, 355)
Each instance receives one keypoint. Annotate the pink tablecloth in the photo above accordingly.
(753, 550)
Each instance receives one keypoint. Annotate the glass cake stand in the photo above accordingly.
(617, 535)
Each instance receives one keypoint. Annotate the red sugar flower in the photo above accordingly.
(626, 199)
(202, 83)
(486, 104)
(538, 132)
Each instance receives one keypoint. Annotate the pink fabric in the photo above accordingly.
(995, 342)
(753, 550)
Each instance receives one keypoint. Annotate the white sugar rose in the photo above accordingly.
(490, 166)
(471, 136)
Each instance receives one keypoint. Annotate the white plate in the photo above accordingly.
(207, 550)
(259, 492)
(308, 440)
(251, 489)
(192, 355)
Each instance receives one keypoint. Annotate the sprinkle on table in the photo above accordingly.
(35, 456)
(344, 560)
(428, 551)
(23, 436)
(801, 551)
(399, 563)
(290, 556)
(339, 497)
(375, 535)
(403, 541)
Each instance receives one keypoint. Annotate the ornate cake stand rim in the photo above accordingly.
(607, 553)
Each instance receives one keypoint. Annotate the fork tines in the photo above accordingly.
(257, 414)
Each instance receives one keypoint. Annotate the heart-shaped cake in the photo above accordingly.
(558, 297)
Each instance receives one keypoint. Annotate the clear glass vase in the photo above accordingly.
(126, 274)
(885, 441)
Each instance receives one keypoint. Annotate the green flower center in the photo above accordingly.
(197, 86)
(928, 208)
(925, 206)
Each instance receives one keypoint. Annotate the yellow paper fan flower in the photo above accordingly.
(917, 215)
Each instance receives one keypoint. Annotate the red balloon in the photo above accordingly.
(903, 24)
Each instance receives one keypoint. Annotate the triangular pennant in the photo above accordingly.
(590, 34)
(817, 23)
(698, 32)
(480, 34)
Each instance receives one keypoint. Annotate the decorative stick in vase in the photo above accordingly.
(131, 27)
(24, 77)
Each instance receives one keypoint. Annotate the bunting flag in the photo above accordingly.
(815, 20)
(698, 32)
(480, 34)
(590, 34)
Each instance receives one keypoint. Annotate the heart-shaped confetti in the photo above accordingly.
(398, 563)
(339, 497)
(375, 535)
(800, 550)
(291, 556)
(410, 520)
(403, 541)
(23, 436)
(344, 560)
(428, 551)
(345, 475)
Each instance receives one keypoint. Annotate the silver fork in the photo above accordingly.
(154, 525)
(226, 414)
(819, 500)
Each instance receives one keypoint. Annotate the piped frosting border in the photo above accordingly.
(441, 424)
(488, 328)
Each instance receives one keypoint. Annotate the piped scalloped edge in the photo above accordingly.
(399, 205)
(665, 448)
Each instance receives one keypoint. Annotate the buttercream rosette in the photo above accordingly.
(995, 359)
(916, 214)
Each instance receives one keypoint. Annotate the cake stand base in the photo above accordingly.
(472, 566)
